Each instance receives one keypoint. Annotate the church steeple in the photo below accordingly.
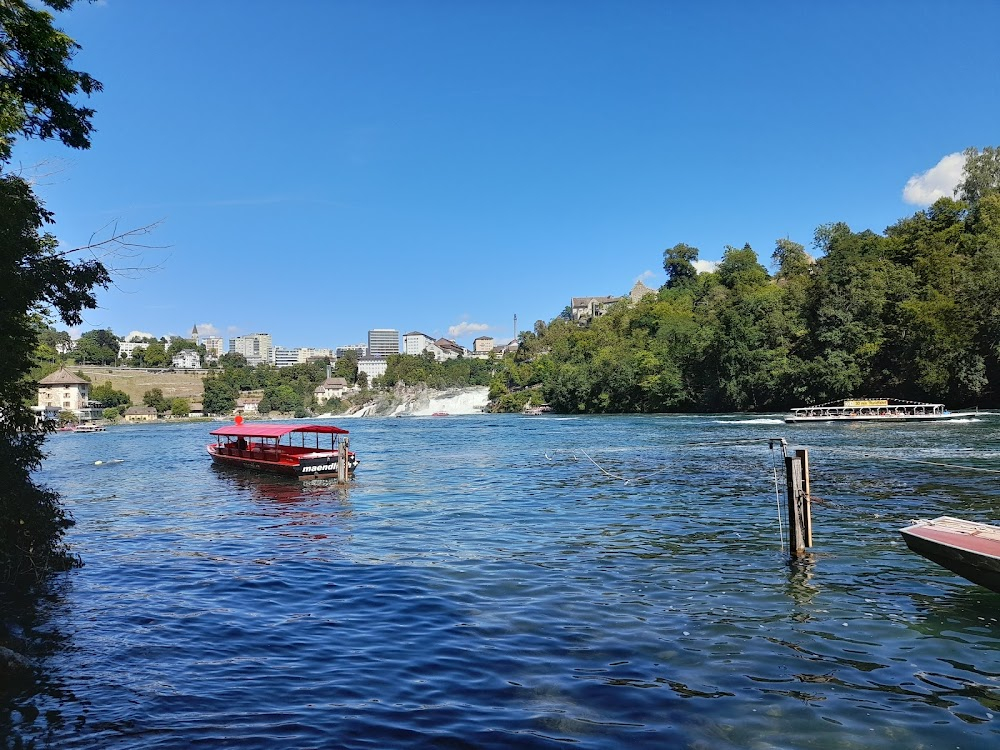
(194, 333)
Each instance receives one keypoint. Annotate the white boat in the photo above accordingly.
(873, 410)
(89, 427)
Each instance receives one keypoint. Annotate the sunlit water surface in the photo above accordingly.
(506, 581)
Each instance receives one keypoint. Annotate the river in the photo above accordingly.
(496, 581)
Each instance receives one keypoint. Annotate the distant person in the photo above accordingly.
(241, 443)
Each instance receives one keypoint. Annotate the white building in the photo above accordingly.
(483, 344)
(64, 390)
(361, 349)
(127, 348)
(416, 343)
(373, 367)
(256, 347)
(331, 388)
(283, 357)
(383, 342)
(213, 347)
(186, 359)
(449, 349)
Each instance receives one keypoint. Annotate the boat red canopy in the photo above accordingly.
(265, 430)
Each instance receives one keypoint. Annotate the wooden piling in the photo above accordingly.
(807, 512)
(797, 493)
(342, 461)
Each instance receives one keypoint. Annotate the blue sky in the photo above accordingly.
(322, 168)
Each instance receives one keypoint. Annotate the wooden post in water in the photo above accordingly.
(804, 455)
(342, 461)
(797, 492)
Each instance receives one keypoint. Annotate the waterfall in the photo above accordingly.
(423, 402)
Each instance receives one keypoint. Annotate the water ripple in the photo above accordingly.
(484, 584)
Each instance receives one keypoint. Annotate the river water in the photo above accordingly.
(506, 581)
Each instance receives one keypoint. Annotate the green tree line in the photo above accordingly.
(912, 312)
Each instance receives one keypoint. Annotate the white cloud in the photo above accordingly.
(705, 266)
(939, 181)
(136, 335)
(207, 329)
(465, 328)
(645, 276)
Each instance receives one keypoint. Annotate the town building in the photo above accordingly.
(449, 349)
(583, 309)
(65, 391)
(415, 343)
(331, 388)
(509, 348)
(186, 359)
(284, 357)
(213, 348)
(256, 347)
(639, 291)
(249, 401)
(373, 367)
(483, 344)
(140, 414)
(361, 349)
(128, 348)
(383, 342)
(195, 336)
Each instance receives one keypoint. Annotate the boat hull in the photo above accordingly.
(878, 418)
(969, 549)
(309, 466)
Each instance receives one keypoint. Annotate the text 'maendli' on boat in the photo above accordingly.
(873, 410)
(307, 451)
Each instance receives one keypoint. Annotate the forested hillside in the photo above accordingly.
(913, 312)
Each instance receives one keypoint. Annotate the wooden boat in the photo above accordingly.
(264, 446)
(873, 410)
(965, 547)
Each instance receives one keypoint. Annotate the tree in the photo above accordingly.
(97, 347)
(790, 258)
(155, 355)
(740, 269)
(232, 359)
(180, 407)
(678, 262)
(34, 274)
(37, 100)
(108, 396)
(36, 83)
(347, 366)
(178, 345)
(981, 174)
(154, 397)
(219, 396)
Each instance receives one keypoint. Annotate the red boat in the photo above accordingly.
(965, 547)
(276, 449)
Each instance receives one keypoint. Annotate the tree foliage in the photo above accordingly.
(109, 396)
(36, 90)
(911, 313)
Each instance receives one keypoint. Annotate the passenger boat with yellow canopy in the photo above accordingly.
(872, 410)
